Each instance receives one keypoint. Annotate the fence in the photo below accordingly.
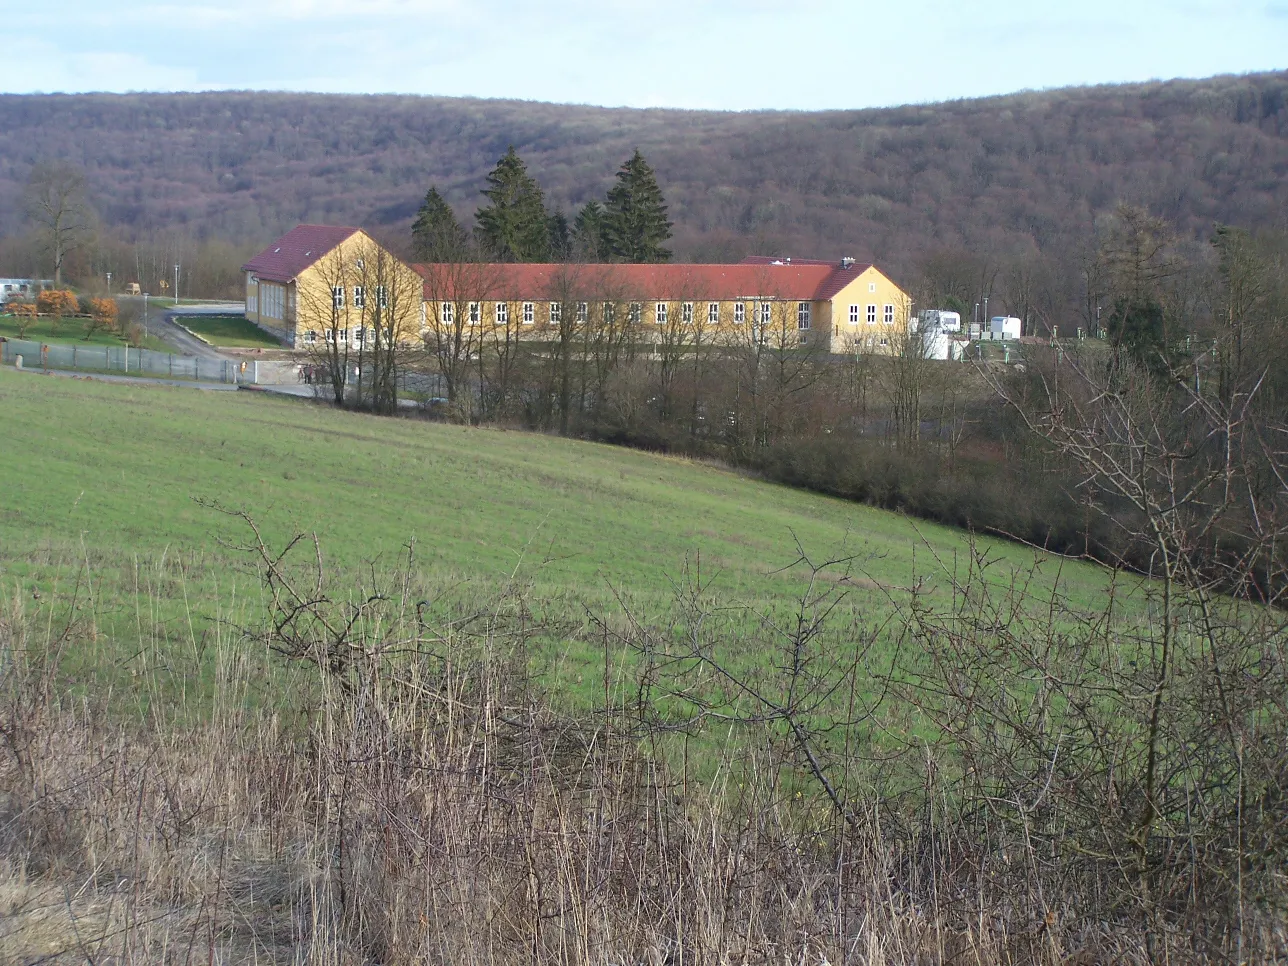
(145, 362)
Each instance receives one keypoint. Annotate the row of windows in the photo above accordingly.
(661, 310)
(359, 297)
(357, 336)
(887, 315)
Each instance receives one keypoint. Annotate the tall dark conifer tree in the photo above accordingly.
(436, 235)
(635, 222)
(515, 226)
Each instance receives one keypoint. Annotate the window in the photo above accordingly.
(359, 264)
(686, 313)
(341, 335)
(359, 297)
(310, 336)
(476, 313)
(713, 313)
(382, 297)
(357, 336)
(739, 312)
(582, 310)
(271, 300)
(337, 297)
(636, 312)
(854, 315)
(447, 313)
(802, 315)
(374, 336)
(610, 313)
(330, 335)
(556, 313)
(766, 313)
(872, 314)
(872, 286)
(660, 311)
(804, 338)
(889, 314)
(529, 313)
(502, 313)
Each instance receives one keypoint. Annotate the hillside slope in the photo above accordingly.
(1016, 171)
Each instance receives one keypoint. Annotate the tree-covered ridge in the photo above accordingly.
(1022, 171)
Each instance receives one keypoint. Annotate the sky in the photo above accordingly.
(704, 54)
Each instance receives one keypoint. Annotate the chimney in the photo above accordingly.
(847, 262)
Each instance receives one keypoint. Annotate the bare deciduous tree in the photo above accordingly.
(56, 202)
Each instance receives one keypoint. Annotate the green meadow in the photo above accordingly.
(104, 493)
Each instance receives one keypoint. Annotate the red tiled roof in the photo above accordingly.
(296, 250)
(805, 281)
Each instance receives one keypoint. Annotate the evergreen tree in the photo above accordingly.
(560, 237)
(588, 240)
(436, 235)
(635, 223)
(515, 226)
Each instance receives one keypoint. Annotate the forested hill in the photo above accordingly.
(1004, 172)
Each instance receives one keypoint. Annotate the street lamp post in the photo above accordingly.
(109, 283)
(176, 283)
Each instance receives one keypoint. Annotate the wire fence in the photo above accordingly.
(144, 362)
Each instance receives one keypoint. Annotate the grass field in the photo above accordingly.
(229, 331)
(108, 476)
(69, 331)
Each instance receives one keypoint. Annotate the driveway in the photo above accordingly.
(160, 322)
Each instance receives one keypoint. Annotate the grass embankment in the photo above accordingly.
(71, 331)
(107, 476)
(229, 331)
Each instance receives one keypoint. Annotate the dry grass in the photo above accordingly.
(431, 807)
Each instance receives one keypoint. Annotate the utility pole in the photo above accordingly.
(176, 283)
(145, 315)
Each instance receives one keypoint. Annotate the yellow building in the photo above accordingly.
(320, 284)
(836, 306)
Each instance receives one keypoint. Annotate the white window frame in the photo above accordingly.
(310, 336)
(359, 297)
(342, 335)
(359, 336)
(501, 313)
(529, 313)
(739, 313)
(765, 313)
(888, 315)
(382, 297)
(872, 313)
(636, 312)
(337, 296)
(556, 313)
(872, 286)
(804, 315)
(583, 311)
(476, 313)
(855, 312)
(447, 313)
(713, 313)
(609, 312)
(330, 336)
(659, 312)
(686, 313)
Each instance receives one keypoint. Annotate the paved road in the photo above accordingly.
(302, 391)
(161, 324)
